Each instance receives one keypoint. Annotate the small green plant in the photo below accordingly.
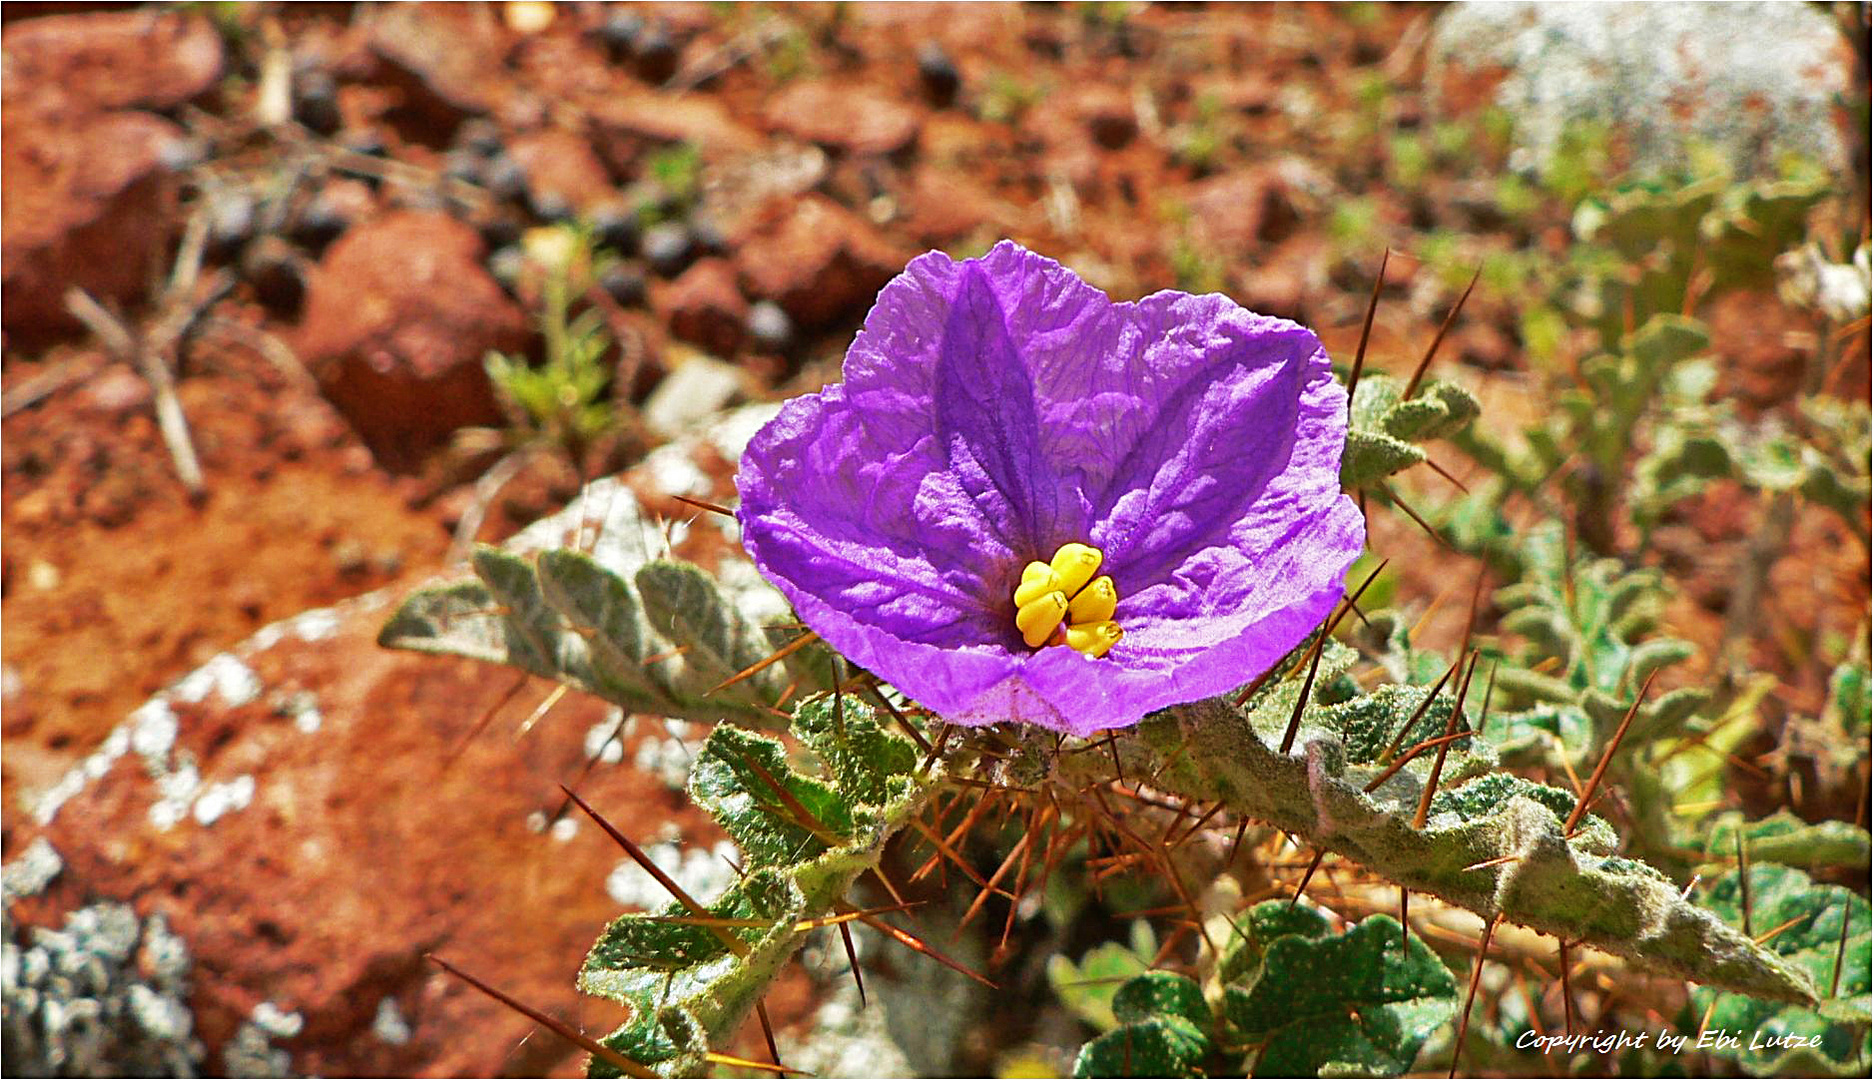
(1198, 142)
(562, 402)
(1007, 98)
(676, 176)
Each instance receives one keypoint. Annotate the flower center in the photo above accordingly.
(1064, 589)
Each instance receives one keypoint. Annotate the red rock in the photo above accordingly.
(942, 207)
(816, 259)
(448, 58)
(705, 307)
(312, 814)
(630, 123)
(399, 316)
(85, 200)
(1483, 345)
(1244, 210)
(332, 836)
(110, 60)
(851, 118)
(1108, 114)
(561, 164)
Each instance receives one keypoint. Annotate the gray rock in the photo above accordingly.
(1754, 80)
(699, 388)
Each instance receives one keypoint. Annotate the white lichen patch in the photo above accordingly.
(153, 730)
(605, 739)
(31, 872)
(276, 1021)
(84, 1000)
(389, 1025)
(702, 872)
(176, 791)
(315, 625)
(251, 1052)
(225, 676)
(220, 799)
(303, 707)
(667, 759)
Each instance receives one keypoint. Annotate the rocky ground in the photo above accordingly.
(309, 222)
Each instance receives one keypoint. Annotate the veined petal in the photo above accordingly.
(997, 408)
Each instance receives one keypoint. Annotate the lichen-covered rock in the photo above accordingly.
(1755, 80)
(307, 815)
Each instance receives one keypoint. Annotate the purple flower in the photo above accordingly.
(998, 409)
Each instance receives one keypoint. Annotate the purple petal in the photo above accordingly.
(996, 408)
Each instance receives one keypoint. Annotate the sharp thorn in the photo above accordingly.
(713, 508)
(1399, 736)
(1307, 876)
(852, 961)
(1743, 878)
(1470, 996)
(1438, 763)
(1841, 947)
(1407, 510)
(1320, 646)
(1607, 756)
(585, 1042)
(1366, 328)
(776, 656)
(1418, 376)
(734, 944)
(767, 1031)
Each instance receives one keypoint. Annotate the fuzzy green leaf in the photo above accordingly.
(685, 985)
(739, 777)
(1372, 456)
(1534, 874)
(1156, 1046)
(849, 740)
(1787, 839)
(1155, 993)
(1811, 920)
(685, 605)
(1358, 1003)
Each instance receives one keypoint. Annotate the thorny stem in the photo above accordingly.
(1207, 751)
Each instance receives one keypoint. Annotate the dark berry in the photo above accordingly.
(937, 74)
(668, 247)
(316, 103)
(624, 283)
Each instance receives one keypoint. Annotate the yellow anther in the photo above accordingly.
(1037, 581)
(1095, 603)
(1038, 618)
(1074, 565)
(1094, 639)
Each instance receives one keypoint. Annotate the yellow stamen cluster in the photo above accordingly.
(1064, 589)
